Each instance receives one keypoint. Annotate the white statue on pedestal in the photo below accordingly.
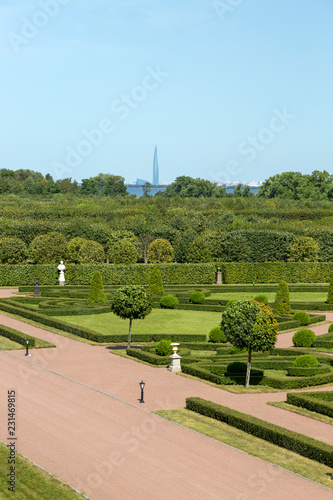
(61, 268)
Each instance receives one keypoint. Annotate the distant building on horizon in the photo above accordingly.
(156, 179)
(140, 182)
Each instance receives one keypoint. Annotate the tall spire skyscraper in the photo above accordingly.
(156, 179)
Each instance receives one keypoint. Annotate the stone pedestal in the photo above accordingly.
(175, 359)
(219, 276)
(61, 269)
(37, 289)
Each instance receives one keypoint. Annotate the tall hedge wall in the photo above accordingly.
(179, 274)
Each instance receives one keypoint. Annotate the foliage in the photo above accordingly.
(236, 368)
(329, 299)
(304, 338)
(164, 348)
(13, 251)
(187, 187)
(124, 252)
(74, 247)
(91, 252)
(104, 185)
(114, 237)
(302, 317)
(282, 303)
(313, 401)
(197, 298)
(261, 298)
(216, 335)
(131, 302)
(199, 250)
(155, 282)
(306, 360)
(96, 291)
(303, 249)
(252, 325)
(160, 251)
(16, 336)
(169, 302)
(330, 328)
(48, 248)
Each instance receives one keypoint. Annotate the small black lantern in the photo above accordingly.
(27, 349)
(142, 386)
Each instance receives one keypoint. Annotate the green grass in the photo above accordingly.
(31, 482)
(250, 444)
(294, 296)
(9, 345)
(158, 321)
(302, 411)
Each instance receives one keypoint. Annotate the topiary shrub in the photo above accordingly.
(197, 298)
(306, 360)
(164, 348)
(168, 302)
(261, 298)
(330, 328)
(330, 293)
(13, 251)
(236, 368)
(216, 335)
(230, 302)
(96, 291)
(282, 302)
(302, 317)
(155, 282)
(304, 338)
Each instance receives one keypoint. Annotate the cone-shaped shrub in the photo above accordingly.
(96, 291)
(330, 293)
(155, 282)
(282, 303)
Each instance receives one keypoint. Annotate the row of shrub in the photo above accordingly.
(313, 401)
(136, 274)
(16, 336)
(290, 440)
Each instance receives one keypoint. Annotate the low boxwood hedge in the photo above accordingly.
(290, 440)
(311, 401)
(16, 336)
(149, 357)
(306, 371)
(297, 382)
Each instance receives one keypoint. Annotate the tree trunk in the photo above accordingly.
(248, 370)
(129, 333)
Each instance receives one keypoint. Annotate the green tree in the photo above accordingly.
(146, 189)
(131, 302)
(91, 252)
(74, 247)
(13, 251)
(160, 250)
(155, 282)
(48, 248)
(250, 325)
(199, 250)
(96, 291)
(303, 249)
(124, 252)
(282, 301)
(104, 185)
(115, 236)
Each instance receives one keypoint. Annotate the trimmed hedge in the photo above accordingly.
(16, 336)
(290, 440)
(311, 401)
(299, 382)
(149, 357)
(306, 371)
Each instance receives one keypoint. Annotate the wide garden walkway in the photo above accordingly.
(72, 424)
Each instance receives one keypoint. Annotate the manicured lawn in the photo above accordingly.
(31, 481)
(250, 444)
(158, 321)
(294, 296)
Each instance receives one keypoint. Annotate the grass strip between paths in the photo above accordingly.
(257, 447)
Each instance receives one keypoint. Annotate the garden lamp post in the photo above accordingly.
(142, 386)
(27, 344)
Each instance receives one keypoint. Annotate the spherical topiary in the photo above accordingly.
(306, 360)
(304, 338)
(261, 298)
(230, 302)
(330, 328)
(168, 302)
(164, 348)
(302, 317)
(282, 303)
(237, 368)
(197, 297)
(217, 335)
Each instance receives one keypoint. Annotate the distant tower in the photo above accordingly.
(156, 180)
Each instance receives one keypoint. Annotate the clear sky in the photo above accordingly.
(230, 90)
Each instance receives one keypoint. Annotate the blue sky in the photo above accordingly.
(230, 90)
